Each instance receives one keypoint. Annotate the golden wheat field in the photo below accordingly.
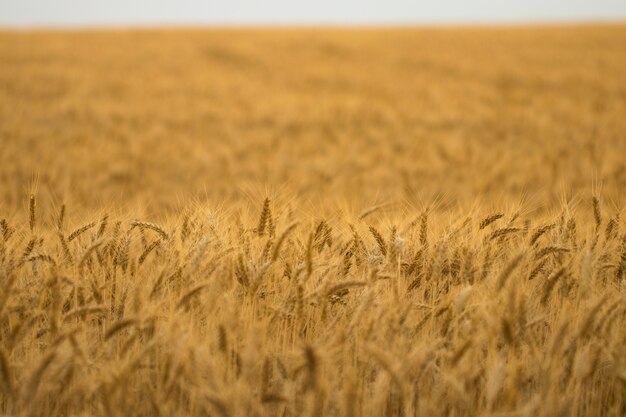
(410, 222)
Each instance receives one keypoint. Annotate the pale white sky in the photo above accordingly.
(294, 12)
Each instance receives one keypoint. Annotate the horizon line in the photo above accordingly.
(474, 24)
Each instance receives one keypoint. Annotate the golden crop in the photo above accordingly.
(313, 222)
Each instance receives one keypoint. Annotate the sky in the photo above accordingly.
(28, 13)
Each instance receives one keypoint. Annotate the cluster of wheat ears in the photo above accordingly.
(239, 314)
(171, 286)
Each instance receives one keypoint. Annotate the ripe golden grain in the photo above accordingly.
(490, 219)
(31, 210)
(151, 226)
(466, 300)
(79, 231)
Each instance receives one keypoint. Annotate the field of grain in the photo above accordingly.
(415, 222)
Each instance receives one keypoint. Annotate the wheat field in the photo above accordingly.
(407, 222)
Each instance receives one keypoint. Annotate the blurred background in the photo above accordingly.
(412, 112)
(286, 12)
